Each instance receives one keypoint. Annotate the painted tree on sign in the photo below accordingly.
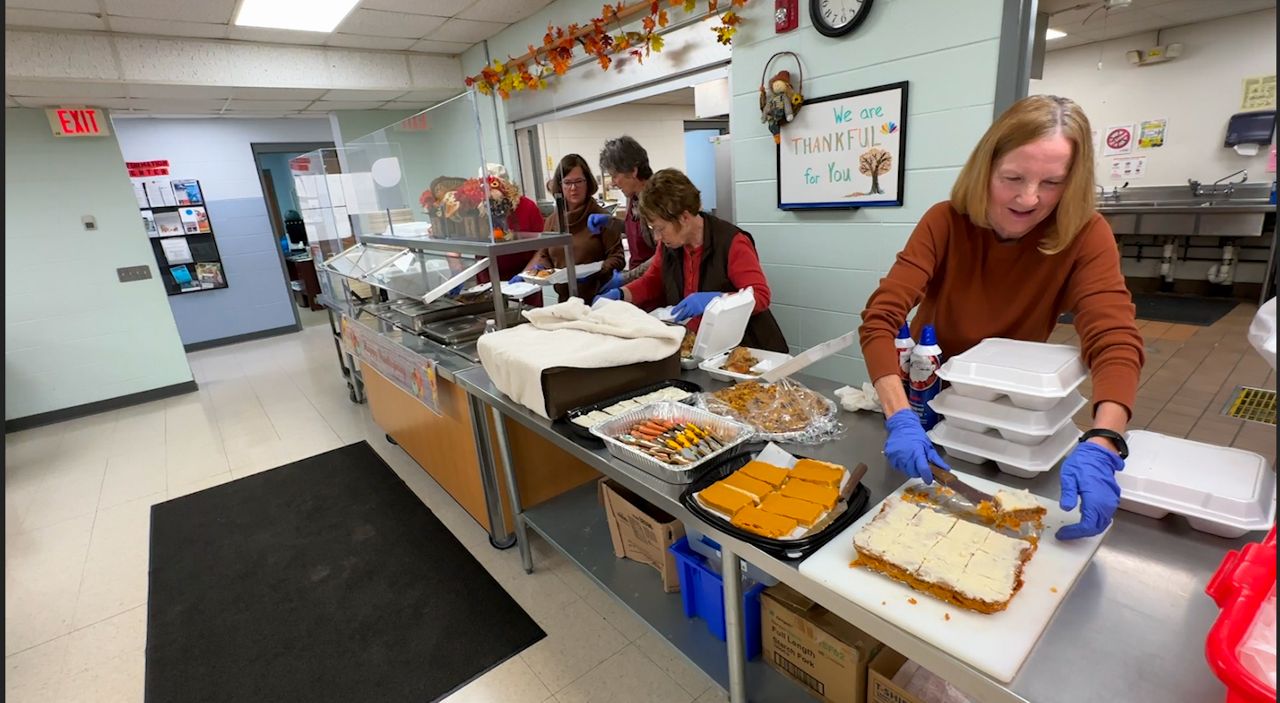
(875, 162)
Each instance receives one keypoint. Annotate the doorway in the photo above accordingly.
(273, 163)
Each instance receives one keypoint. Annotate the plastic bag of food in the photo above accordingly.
(785, 411)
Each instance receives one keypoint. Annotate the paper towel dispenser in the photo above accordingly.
(1250, 128)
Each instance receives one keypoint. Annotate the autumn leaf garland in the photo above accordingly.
(559, 44)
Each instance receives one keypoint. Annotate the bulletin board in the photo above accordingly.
(845, 151)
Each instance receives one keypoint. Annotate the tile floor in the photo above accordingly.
(78, 496)
(77, 517)
(1190, 374)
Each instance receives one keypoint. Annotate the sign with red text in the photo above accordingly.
(78, 122)
(412, 373)
(145, 169)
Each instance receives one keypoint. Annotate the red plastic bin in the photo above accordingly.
(1241, 584)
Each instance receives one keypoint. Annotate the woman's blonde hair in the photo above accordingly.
(1027, 120)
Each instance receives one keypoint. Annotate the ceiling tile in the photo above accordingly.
(277, 36)
(117, 103)
(178, 92)
(448, 48)
(277, 93)
(52, 20)
(506, 11)
(379, 23)
(84, 90)
(360, 41)
(362, 95)
(467, 31)
(217, 11)
(429, 95)
(268, 105)
(439, 8)
(87, 6)
(177, 105)
(408, 104)
(168, 28)
(326, 105)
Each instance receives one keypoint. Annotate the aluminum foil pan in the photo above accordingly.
(733, 434)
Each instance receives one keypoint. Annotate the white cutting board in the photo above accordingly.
(995, 644)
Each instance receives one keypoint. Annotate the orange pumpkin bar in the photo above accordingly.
(803, 512)
(753, 519)
(755, 488)
(825, 496)
(820, 472)
(773, 475)
(724, 499)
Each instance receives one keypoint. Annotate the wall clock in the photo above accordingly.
(836, 18)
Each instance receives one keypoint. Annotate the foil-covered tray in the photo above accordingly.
(731, 434)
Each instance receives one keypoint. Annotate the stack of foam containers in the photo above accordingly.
(1010, 402)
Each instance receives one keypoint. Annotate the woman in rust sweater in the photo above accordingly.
(1018, 243)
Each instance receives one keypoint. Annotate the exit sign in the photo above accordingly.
(78, 122)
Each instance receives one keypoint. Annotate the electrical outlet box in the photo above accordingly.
(133, 273)
(90, 223)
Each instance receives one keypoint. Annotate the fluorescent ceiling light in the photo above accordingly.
(298, 15)
(1048, 33)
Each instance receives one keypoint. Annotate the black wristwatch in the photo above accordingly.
(1122, 448)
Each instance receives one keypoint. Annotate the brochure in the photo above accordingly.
(188, 192)
(194, 220)
(210, 273)
(176, 250)
(149, 224)
(168, 224)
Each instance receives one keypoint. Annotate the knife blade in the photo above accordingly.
(950, 480)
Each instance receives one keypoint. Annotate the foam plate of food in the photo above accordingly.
(742, 364)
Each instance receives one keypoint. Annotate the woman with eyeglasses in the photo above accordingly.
(576, 185)
(700, 257)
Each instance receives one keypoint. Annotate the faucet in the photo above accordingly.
(1113, 196)
(1231, 187)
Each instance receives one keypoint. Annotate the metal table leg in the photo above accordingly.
(731, 570)
(513, 490)
(499, 536)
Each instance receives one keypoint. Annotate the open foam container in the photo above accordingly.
(1026, 427)
(1220, 490)
(1033, 375)
(1014, 459)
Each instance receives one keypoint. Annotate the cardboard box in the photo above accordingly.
(882, 689)
(641, 532)
(818, 650)
(880, 685)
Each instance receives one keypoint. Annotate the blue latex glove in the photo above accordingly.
(1089, 477)
(596, 223)
(614, 282)
(615, 294)
(519, 278)
(693, 305)
(908, 447)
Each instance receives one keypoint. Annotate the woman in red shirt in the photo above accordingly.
(699, 258)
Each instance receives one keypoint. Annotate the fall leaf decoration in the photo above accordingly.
(559, 44)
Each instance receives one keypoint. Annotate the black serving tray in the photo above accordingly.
(783, 549)
(584, 434)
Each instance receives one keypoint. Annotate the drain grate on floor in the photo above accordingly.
(1253, 404)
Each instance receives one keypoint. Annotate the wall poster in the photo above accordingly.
(1117, 140)
(1151, 133)
(845, 151)
(1259, 93)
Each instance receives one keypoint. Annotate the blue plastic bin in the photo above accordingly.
(702, 591)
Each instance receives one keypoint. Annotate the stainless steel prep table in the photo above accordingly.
(1132, 629)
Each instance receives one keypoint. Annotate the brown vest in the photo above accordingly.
(763, 331)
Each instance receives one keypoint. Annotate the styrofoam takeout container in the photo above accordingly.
(715, 365)
(1033, 375)
(1220, 490)
(1027, 427)
(1014, 459)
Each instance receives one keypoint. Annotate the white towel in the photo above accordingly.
(572, 335)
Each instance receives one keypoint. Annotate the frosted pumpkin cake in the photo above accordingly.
(954, 560)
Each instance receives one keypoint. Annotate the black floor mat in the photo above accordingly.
(1180, 309)
(323, 580)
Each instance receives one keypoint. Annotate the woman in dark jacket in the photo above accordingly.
(574, 185)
